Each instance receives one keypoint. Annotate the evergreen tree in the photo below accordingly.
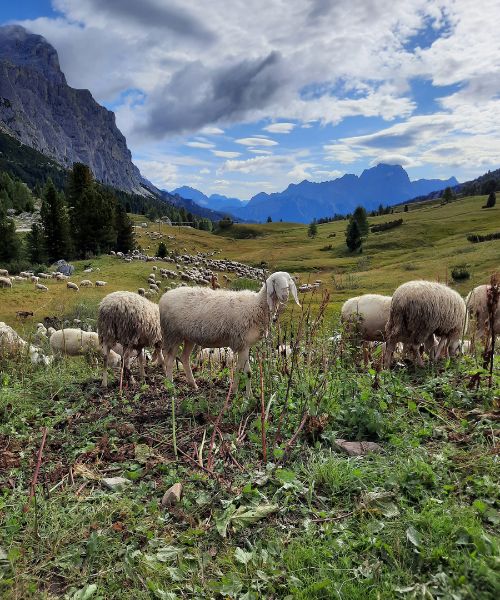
(36, 245)
(492, 200)
(406, 208)
(312, 230)
(269, 219)
(55, 223)
(447, 195)
(360, 216)
(10, 247)
(124, 231)
(162, 250)
(353, 235)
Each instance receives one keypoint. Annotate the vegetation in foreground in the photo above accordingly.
(271, 506)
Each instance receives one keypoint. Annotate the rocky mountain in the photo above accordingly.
(215, 201)
(38, 108)
(302, 202)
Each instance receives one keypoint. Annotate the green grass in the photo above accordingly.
(418, 520)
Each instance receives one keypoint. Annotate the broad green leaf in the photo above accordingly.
(242, 556)
(413, 536)
(285, 476)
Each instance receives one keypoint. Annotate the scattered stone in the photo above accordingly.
(116, 483)
(357, 448)
(172, 495)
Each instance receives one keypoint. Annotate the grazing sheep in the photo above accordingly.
(72, 286)
(217, 318)
(40, 287)
(5, 282)
(133, 321)
(35, 279)
(477, 307)
(24, 314)
(12, 344)
(99, 283)
(86, 283)
(4, 273)
(420, 310)
(73, 342)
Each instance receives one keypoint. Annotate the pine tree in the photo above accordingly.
(124, 231)
(10, 246)
(492, 200)
(312, 230)
(447, 195)
(162, 250)
(36, 245)
(269, 219)
(55, 223)
(360, 216)
(353, 235)
(406, 208)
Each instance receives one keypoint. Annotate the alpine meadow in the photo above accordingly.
(249, 300)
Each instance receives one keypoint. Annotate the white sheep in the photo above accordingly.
(221, 357)
(35, 279)
(217, 318)
(99, 283)
(86, 283)
(420, 310)
(477, 307)
(11, 344)
(41, 288)
(72, 286)
(133, 321)
(5, 282)
(77, 342)
(4, 272)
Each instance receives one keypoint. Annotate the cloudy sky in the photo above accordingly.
(241, 96)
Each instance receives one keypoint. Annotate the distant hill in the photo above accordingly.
(215, 201)
(302, 202)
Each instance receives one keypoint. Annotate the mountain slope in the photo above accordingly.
(41, 110)
(302, 202)
(214, 201)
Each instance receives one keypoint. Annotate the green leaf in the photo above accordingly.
(242, 556)
(413, 536)
(85, 593)
(285, 476)
(168, 553)
(243, 516)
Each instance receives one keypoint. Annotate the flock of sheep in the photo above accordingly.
(421, 316)
(7, 281)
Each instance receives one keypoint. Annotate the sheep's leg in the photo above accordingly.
(186, 353)
(170, 355)
(440, 347)
(105, 352)
(141, 360)
(127, 352)
(243, 365)
(389, 350)
(159, 358)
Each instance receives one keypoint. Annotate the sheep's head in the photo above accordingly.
(278, 288)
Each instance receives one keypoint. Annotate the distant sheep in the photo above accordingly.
(12, 344)
(221, 357)
(41, 288)
(217, 318)
(72, 286)
(5, 282)
(133, 321)
(77, 342)
(86, 283)
(421, 309)
(4, 272)
(477, 307)
(99, 283)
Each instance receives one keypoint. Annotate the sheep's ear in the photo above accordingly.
(293, 287)
(272, 299)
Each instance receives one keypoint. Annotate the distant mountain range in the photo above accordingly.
(305, 201)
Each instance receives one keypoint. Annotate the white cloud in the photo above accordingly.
(280, 127)
(256, 141)
(212, 130)
(325, 175)
(204, 171)
(206, 145)
(300, 172)
(163, 175)
(226, 153)
(259, 151)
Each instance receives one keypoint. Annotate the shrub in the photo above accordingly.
(387, 225)
(475, 238)
(460, 272)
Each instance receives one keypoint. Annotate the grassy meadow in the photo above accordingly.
(272, 505)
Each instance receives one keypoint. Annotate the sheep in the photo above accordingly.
(50, 331)
(41, 288)
(11, 344)
(134, 322)
(4, 272)
(477, 308)
(24, 314)
(219, 356)
(77, 342)
(72, 286)
(5, 282)
(86, 283)
(99, 283)
(420, 310)
(141, 291)
(217, 318)
(35, 279)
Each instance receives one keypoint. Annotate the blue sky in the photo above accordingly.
(237, 98)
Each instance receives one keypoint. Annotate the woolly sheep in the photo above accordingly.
(100, 283)
(73, 342)
(72, 286)
(86, 283)
(5, 282)
(41, 287)
(217, 318)
(133, 321)
(477, 307)
(12, 344)
(4, 272)
(421, 309)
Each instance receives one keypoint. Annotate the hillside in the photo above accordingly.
(430, 242)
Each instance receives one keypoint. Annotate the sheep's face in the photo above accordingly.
(278, 287)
